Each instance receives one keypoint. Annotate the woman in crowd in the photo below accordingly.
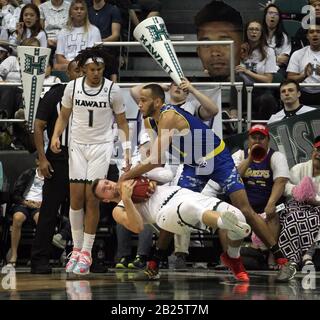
(258, 64)
(29, 26)
(78, 35)
(300, 221)
(276, 36)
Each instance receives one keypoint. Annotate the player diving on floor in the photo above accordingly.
(174, 209)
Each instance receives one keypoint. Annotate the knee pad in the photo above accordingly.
(190, 213)
(179, 218)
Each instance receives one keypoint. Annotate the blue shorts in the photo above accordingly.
(220, 169)
(28, 212)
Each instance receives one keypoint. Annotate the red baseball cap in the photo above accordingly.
(259, 128)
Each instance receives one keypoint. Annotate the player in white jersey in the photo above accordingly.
(94, 103)
(176, 210)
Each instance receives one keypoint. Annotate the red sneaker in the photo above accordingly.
(281, 261)
(236, 266)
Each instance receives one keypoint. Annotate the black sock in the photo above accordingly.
(276, 252)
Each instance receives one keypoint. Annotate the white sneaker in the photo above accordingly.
(232, 223)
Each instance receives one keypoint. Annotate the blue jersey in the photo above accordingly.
(203, 154)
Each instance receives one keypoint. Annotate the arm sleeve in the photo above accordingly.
(5, 68)
(67, 96)
(160, 174)
(61, 45)
(115, 15)
(238, 157)
(293, 65)
(286, 47)
(279, 166)
(42, 37)
(294, 180)
(41, 12)
(271, 62)
(116, 100)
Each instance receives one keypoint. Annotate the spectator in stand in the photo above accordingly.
(78, 35)
(289, 94)
(147, 9)
(6, 9)
(29, 26)
(53, 17)
(276, 36)
(10, 20)
(264, 178)
(27, 198)
(107, 18)
(304, 66)
(258, 64)
(300, 39)
(300, 221)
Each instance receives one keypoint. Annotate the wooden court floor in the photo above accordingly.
(188, 284)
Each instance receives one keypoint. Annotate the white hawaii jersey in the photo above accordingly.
(163, 195)
(92, 110)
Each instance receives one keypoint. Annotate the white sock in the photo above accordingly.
(88, 242)
(233, 252)
(76, 222)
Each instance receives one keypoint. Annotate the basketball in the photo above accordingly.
(141, 189)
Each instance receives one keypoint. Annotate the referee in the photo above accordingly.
(55, 168)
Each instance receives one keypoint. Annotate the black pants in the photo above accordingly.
(55, 193)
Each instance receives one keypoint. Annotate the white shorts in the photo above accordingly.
(183, 214)
(88, 162)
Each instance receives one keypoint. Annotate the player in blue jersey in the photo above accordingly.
(205, 157)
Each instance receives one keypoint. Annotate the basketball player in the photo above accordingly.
(200, 106)
(94, 102)
(204, 157)
(176, 210)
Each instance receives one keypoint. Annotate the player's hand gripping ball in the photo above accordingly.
(142, 190)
